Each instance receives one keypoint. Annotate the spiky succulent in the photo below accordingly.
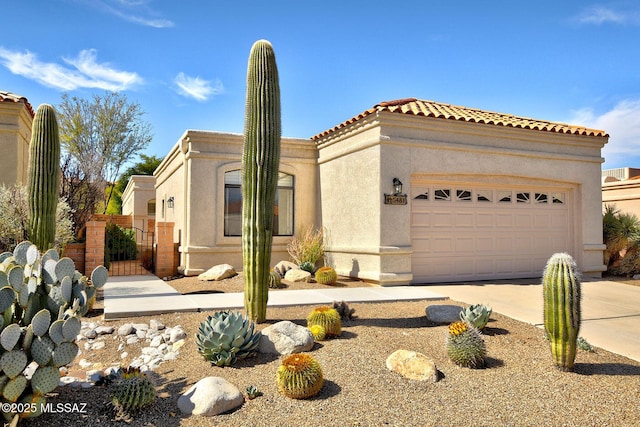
(132, 390)
(318, 332)
(345, 312)
(326, 276)
(328, 318)
(299, 376)
(275, 281)
(308, 267)
(253, 392)
(465, 345)
(227, 336)
(476, 314)
(42, 298)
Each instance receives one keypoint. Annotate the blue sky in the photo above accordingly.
(185, 62)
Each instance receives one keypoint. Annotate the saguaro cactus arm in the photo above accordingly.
(260, 162)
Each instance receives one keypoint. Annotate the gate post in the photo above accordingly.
(164, 261)
(94, 252)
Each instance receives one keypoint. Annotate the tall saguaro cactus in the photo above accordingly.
(260, 162)
(562, 316)
(44, 171)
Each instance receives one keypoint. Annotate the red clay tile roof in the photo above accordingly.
(417, 107)
(12, 97)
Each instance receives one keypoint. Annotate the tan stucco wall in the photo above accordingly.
(15, 134)
(625, 195)
(358, 163)
(193, 173)
(135, 199)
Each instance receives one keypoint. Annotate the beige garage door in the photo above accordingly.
(462, 232)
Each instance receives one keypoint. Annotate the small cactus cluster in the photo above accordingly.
(41, 301)
(131, 390)
(328, 318)
(465, 345)
(326, 276)
(253, 392)
(476, 314)
(227, 336)
(275, 281)
(299, 376)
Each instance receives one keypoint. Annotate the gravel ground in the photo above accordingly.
(520, 386)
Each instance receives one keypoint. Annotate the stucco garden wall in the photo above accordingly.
(625, 195)
(135, 200)
(193, 173)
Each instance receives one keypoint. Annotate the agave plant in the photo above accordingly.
(227, 336)
(476, 314)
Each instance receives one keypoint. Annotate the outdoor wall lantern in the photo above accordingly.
(397, 198)
(170, 202)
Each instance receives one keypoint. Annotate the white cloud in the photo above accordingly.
(197, 88)
(136, 11)
(599, 15)
(622, 123)
(85, 71)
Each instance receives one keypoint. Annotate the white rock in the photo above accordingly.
(210, 396)
(295, 276)
(156, 325)
(172, 355)
(132, 340)
(104, 330)
(156, 341)
(285, 338)
(141, 334)
(124, 355)
(443, 313)
(91, 334)
(412, 365)
(283, 266)
(84, 364)
(126, 329)
(218, 272)
(98, 345)
(177, 334)
(140, 326)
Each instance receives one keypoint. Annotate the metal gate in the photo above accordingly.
(128, 251)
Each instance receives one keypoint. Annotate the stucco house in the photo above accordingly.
(139, 201)
(621, 187)
(409, 191)
(16, 117)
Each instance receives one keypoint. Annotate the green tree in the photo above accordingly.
(99, 135)
(146, 166)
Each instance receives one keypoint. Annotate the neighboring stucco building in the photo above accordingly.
(139, 200)
(16, 117)
(621, 187)
(488, 195)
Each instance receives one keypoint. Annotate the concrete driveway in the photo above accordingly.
(610, 310)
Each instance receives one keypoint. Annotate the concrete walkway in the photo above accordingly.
(610, 310)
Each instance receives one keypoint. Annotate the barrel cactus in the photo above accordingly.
(328, 318)
(227, 336)
(476, 314)
(44, 170)
(42, 298)
(260, 163)
(318, 332)
(299, 376)
(562, 316)
(326, 276)
(132, 390)
(275, 281)
(465, 345)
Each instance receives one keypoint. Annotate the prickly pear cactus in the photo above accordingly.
(42, 298)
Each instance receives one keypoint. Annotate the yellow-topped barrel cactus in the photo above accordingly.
(326, 276)
(465, 345)
(328, 318)
(299, 376)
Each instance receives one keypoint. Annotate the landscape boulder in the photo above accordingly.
(210, 396)
(218, 272)
(412, 365)
(285, 338)
(297, 276)
(443, 313)
(283, 266)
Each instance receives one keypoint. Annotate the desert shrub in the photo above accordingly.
(308, 247)
(120, 243)
(14, 217)
(621, 235)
